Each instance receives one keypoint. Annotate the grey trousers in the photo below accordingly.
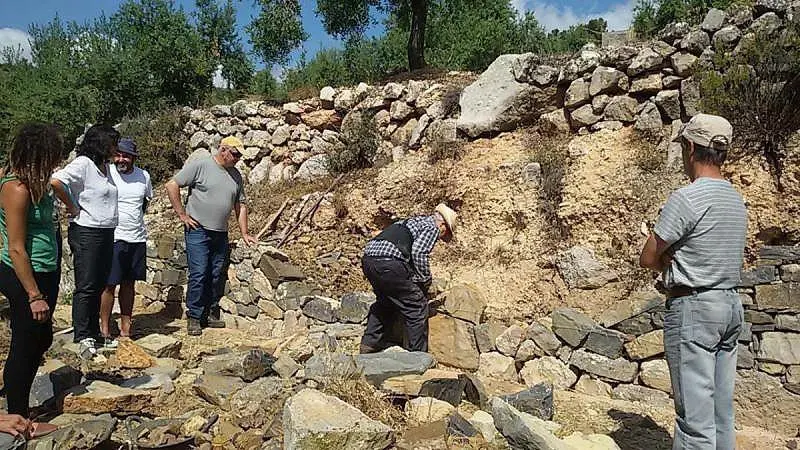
(700, 335)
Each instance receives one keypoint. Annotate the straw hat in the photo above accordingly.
(449, 217)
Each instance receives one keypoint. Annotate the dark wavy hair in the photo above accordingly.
(98, 142)
(36, 151)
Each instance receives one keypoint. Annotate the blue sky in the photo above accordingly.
(16, 15)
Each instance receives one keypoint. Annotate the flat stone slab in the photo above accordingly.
(646, 345)
(637, 303)
(313, 420)
(161, 346)
(217, 389)
(783, 348)
(377, 367)
(100, 397)
(52, 380)
(618, 369)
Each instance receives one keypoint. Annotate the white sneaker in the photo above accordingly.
(110, 342)
(87, 348)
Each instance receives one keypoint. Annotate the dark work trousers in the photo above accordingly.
(29, 339)
(397, 297)
(92, 253)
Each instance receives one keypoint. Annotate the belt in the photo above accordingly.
(684, 291)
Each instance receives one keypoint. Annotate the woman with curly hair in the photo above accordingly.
(29, 275)
(86, 188)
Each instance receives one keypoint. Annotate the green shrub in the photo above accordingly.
(160, 140)
(758, 91)
(361, 141)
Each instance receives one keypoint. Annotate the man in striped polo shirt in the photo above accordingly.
(698, 245)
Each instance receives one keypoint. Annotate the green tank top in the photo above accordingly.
(40, 241)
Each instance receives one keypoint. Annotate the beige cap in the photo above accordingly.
(703, 129)
(449, 217)
(233, 141)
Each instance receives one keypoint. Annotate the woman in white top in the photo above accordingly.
(90, 196)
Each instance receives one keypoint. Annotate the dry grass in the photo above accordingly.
(551, 154)
(355, 391)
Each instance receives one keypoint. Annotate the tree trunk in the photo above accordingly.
(416, 39)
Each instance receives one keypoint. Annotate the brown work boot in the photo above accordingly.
(364, 349)
(213, 320)
(193, 327)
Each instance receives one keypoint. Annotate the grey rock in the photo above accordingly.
(217, 389)
(220, 110)
(550, 370)
(465, 302)
(690, 97)
(619, 57)
(740, 15)
(649, 121)
(759, 275)
(527, 351)
(758, 317)
(790, 273)
(726, 38)
(641, 394)
(248, 365)
(497, 102)
(377, 367)
(544, 75)
(509, 340)
(670, 104)
(312, 419)
(649, 84)
(612, 125)
(536, 400)
(322, 366)
(607, 80)
(783, 254)
(313, 168)
(157, 381)
(605, 342)
(457, 425)
(766, 24)
(745, 358)
(285, 366)
(321, 308)
(393, 91)
(683, 63)
(600, 102)
(637, 303)
(486, 335)
(580, 269)
(768, 6)
(713, 21)
(621, 108)
(675, 31)
(52, 381)
(355, 307)
(250, 311)
(290, 295)
(522, 430)
(670, 82)
(554, 122)
(258, 403)
(450, 390)
(782, 348)
(571, 326)
(618, 369)
(655, 374)
(278, 271)
(647, 60)
(577, 94)
(419, 130)
(783, 296)
(747, 332)
(584, 116)
(787, 322)
(543, 337)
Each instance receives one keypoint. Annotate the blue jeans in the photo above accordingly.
(700, 336)
(206, 252)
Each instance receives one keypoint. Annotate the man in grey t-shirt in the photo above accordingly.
(698, 245)
(215, 189)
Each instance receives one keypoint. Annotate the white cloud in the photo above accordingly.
(16, 39)
(278, 72)
(554, 15)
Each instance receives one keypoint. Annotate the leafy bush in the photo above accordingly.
(160, 141)
(650, 16)
(445, 150)
(361, 141)
(758, 91)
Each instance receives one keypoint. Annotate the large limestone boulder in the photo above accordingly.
(313, 420)
(496, 101)
(452, 342)
(313, 168)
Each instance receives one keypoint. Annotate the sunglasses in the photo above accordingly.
(234, 153)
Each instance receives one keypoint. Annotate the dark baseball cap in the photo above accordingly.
(126, 145)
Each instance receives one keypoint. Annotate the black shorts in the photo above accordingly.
(129, 262)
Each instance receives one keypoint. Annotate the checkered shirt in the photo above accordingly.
(425, 233)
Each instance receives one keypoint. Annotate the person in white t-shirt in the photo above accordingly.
(134, 192)
(90, 196)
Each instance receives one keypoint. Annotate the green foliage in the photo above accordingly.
(650, 16)
(758, 91)
(159, 137)
(143, 58)
(217, 28)
(267, 87)
(361, 141)
(277, 30)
